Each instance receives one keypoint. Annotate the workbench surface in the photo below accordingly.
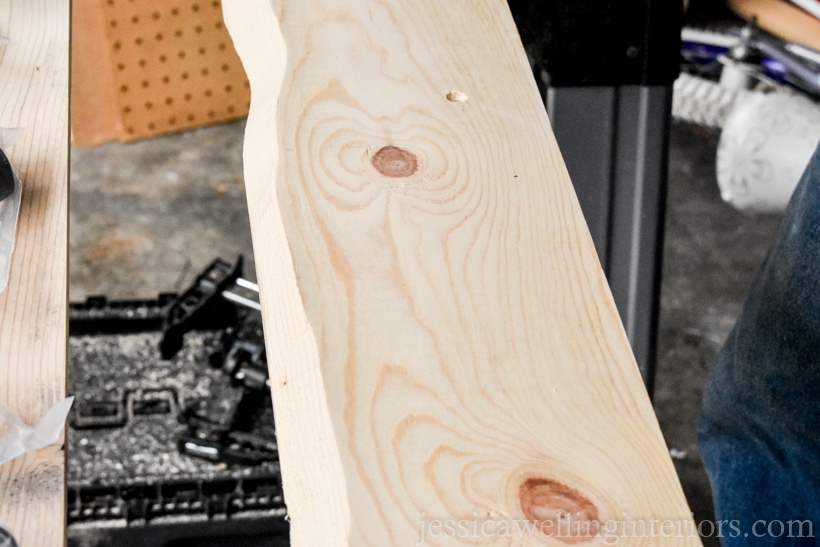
(34, 96)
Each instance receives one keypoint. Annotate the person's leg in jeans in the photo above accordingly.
(759, 428)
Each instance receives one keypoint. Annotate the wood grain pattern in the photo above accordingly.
(34, 96)
(442, 341)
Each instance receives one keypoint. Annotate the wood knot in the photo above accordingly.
(558, 511)
(395, 162)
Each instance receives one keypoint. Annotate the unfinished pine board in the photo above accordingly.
(443, 346)
(34, 96)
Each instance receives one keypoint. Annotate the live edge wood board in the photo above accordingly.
(34, 96)
(444, 350)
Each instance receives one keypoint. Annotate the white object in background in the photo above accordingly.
(811, 6)
(16, 438)
(701, 101)
(719, 39)
(766, 144)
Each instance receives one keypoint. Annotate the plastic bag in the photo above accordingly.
(10, 205)
(16, 438)
(5, 539)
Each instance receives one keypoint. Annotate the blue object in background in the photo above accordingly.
(759, 428)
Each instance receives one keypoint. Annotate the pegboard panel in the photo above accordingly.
(173, 64)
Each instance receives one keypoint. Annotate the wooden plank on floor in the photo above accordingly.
(443, 346)
(34, 96)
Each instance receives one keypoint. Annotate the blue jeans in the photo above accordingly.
(759, 427)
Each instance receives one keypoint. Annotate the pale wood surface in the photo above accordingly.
(441, 338)
(34, 95)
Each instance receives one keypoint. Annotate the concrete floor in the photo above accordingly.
(146, 217)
